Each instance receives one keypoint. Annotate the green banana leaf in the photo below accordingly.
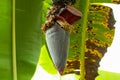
(6, 72)
(46, 61)
(101, 1)
(106, 75)
(20, 38)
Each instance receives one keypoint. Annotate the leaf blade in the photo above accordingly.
(5, 40)
(28, 39)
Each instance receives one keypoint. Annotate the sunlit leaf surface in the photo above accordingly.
(46, 62)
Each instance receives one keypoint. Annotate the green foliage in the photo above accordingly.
(45, 61)
(101, 1)
(27, 37)
(5, 40)
(19, 38)
(105, 75)
(46, 5)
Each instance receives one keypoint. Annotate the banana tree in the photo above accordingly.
(20, 38)
(90, 38)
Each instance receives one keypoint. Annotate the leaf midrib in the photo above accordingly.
(14, 42)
